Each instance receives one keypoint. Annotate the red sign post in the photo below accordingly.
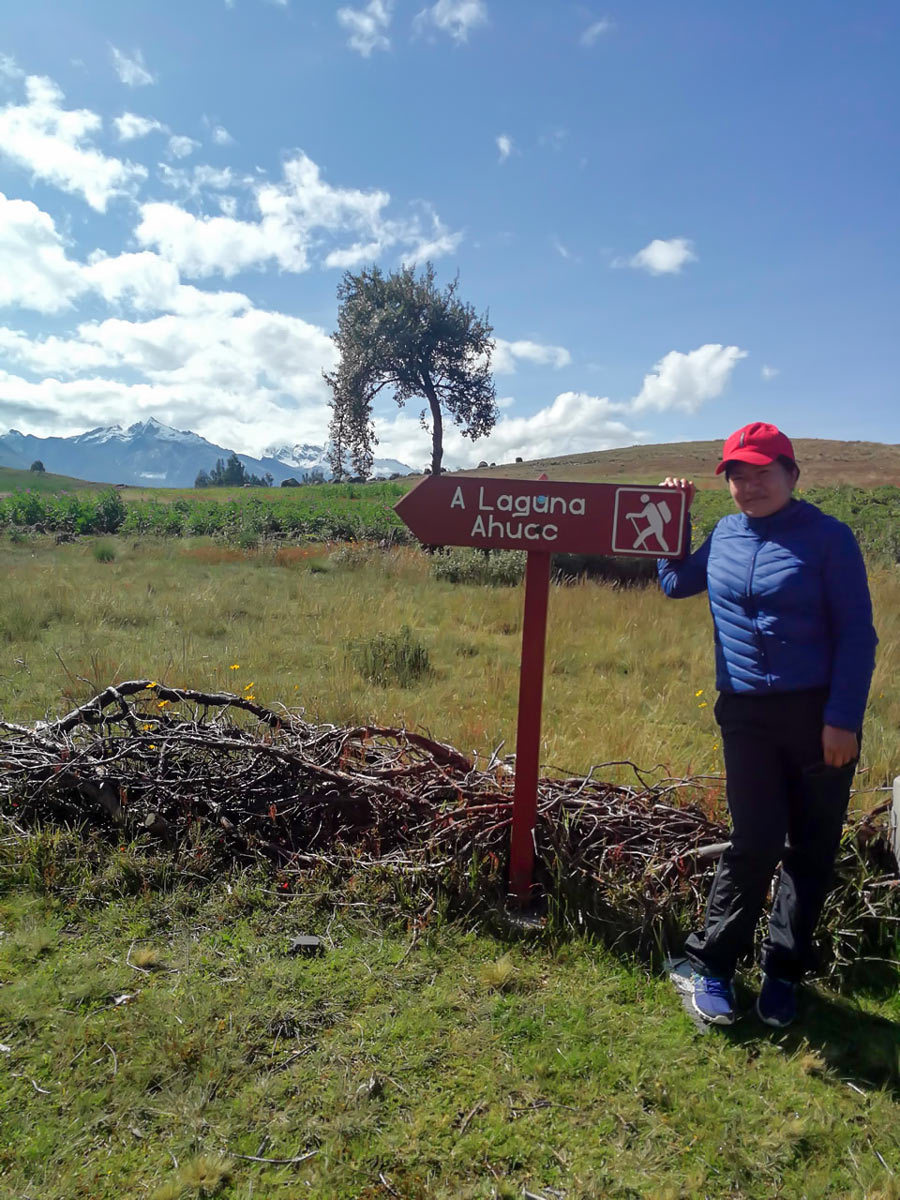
(542, 518)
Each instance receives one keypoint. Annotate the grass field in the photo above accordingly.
(153, 1029)
(12, 480)
(153, 1034)
(629, 674)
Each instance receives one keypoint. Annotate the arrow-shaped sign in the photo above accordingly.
(527, 514)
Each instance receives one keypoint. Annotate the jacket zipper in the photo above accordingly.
(764, 658)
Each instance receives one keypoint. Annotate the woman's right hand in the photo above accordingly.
(686, 485)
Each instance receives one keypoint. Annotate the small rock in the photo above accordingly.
(306, 945)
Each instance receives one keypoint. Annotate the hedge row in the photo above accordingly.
(365, 513)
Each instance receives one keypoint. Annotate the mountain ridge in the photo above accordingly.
(151, 454)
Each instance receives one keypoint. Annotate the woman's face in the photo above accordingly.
(760, 491)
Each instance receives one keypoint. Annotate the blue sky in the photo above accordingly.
(681, 217)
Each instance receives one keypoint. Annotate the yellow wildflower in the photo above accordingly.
(235, 667)
(700, 693)
(703, 704)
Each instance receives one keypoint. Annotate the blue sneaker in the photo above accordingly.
(777, 1002)
(713, 999)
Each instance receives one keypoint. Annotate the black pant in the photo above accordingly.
(786, 805)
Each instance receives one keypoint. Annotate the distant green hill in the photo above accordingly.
(12, 480)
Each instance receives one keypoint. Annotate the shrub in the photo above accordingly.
(494, 568)
(354, 556)
(390, 658)
(103, 552)
(623, 572)
(109, 513)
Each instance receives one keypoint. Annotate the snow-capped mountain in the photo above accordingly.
(304, 457)
(150, 454)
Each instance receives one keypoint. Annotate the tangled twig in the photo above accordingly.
(175, 764)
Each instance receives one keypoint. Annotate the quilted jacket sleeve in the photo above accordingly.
(684, 576)
(852, 632)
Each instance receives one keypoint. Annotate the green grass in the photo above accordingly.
(629, 674)
(427, 1054)
(155, 1035)
(13, 480)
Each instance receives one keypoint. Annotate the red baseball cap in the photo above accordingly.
(758, 444)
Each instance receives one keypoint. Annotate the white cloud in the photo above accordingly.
(662, 257)
(300, 215)
(221, 136)
(684, 382)
(130, 126)
(39, 275)
(203, 246)
(230, 376)
(201, 178)
(505, 355)
(353, 256)
(181, 146)
(56, 145)
(564, 251)
(9, 68)
(453, 17)
(152, 284)
(36, 272)
(367, 26)
(595, 31)
(131, 71)
(769, 372)
(505, 146)
(573, 424)
(426, 244)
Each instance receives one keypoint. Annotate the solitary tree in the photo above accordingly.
(401, 332)
(38, 466)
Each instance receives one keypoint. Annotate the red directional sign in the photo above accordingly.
(525, 514)
(542, 518)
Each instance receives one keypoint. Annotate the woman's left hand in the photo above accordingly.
(839, 746)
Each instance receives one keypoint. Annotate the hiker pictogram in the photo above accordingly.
(647, 522)
(656, 515)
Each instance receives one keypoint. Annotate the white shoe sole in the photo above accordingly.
(721, 1020)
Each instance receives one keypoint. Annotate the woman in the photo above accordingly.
(795, 651)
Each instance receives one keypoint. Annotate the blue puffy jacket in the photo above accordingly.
(790, 605)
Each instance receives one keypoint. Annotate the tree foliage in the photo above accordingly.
(232, 473)
(38, 466)
(399, 331)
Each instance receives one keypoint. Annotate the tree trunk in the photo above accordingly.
(437, 425)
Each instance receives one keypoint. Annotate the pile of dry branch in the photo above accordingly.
(179, 766)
